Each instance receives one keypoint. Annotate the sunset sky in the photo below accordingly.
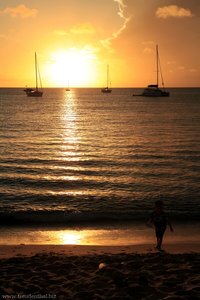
(76, 39)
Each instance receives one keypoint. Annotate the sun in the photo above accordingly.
(74, 67)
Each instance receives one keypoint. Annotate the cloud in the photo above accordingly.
(171, 62)
(83, 28)
(173, 11)
(148, 43)
(20, 11)
(148, 50)
(60, 32)
(181, 68)
(121, 12)
(193, 70)
(2, 36)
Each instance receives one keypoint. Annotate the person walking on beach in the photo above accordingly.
(160, 221)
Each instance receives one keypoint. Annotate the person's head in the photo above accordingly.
(158, 205)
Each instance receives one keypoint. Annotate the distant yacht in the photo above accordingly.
(35, 92)
(153, 90)
(107, 89)
(67, 89)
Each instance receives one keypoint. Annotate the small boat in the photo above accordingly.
(67, 89)
(35, 92)
(153, 90)
(107, 89)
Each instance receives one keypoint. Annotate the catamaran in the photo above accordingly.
(153, 90)
(35, 92)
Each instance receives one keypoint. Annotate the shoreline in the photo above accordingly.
(21, 250)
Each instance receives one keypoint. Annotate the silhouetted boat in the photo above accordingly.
(107, 89)
(67, 89)
(153, 90)
(35, 92)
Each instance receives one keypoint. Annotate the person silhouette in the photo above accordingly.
(160, 221)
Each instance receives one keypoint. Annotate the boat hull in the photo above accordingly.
(106, 90)
(154, 91)
(155, 94)
(33, 93)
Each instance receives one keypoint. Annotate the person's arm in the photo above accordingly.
(150, 221)
(170, 226)
(169, 222)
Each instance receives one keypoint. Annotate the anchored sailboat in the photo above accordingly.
(67, 89)
(35, 92)
(107, 89)
(153, 90)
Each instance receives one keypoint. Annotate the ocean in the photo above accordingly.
(83, 157)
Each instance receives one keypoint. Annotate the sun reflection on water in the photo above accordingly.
(98, 237)
(69, 147)
(69, 118)
(71, 238)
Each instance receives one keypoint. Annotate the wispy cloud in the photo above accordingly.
(148, 43)
(2, 36)
(193, 70)
(181, 68)
(148, 50)
(78, 29)
(83, 28)
(148, 47)
(60, 32)
(173, 11)
(121, 12)
(20, 11)
(171, 62)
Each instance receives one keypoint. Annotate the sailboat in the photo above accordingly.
(153, 90)
(35, 92)
(107, 89)
(67, 89)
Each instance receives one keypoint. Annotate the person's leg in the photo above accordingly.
(159, 236)
(160, 242)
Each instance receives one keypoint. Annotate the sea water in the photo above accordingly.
(83, 157)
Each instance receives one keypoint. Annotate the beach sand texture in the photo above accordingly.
(74, 272)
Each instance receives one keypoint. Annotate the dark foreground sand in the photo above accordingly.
(89, 272)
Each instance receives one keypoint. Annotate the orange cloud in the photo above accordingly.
(173, 11)
(60, 32)
(83, 28)
(193, 70)
(148, 50)
(20, 11)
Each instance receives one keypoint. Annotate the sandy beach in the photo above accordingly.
(99, 272)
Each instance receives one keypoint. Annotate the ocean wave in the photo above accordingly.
(87, 159)
(77, 217)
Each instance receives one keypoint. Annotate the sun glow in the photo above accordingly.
(73, 67)
(71, 238)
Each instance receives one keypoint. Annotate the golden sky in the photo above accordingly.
(76, 39)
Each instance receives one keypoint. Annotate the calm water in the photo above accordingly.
(83, 155)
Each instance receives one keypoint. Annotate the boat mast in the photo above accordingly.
(36, 71)
(157, 64)
(107, 75)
